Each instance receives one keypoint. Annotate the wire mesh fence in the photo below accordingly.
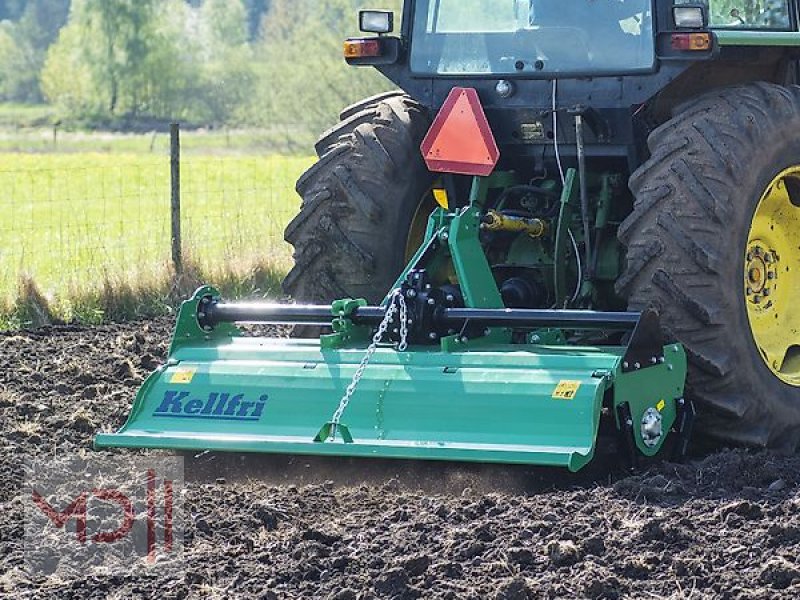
(74, 221)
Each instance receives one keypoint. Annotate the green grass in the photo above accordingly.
(245, 142)
(84, 235)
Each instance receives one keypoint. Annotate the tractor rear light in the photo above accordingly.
(362, 48)
(691, 42)
(689, 17)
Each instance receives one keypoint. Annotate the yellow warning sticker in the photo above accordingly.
(660, 406)
(566, 390)
(183, 376)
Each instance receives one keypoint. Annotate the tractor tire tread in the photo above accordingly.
(369, 177)
(687, 207)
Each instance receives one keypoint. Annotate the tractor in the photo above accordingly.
(577, 217)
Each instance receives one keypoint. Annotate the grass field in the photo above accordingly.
(77, 223)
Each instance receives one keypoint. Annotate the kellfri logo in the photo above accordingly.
(218, 406)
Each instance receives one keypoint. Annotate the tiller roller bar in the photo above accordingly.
(258, 313)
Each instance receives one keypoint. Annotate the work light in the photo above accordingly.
(376, 21)
(689, 17)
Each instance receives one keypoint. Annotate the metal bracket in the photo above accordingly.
(646, 346)
(627, 435)
(329, 431)
(684, 424)
(344, 330)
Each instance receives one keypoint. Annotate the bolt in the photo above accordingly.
(768, 258)
(670, 367)
(637, 366)
(432, 335)
(487, 332)
(411, 294)
(464, 339)
(767, 292)
(749, 256)
(535, 339)
(625, 365)
(675, 349)
(757, 251)
(756, 299)
(654, 361)
(749, 291)
(206, 300)
(662, 360)
(395, 330)
(431, 301)
(201, 315)
(681, 401)
(428, 287)
(770, 275)
(450, 298)
(445, 236)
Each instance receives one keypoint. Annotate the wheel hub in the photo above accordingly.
(771, 284)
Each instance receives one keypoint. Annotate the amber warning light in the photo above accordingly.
(460, 140)
(692, 42)
(362, 48)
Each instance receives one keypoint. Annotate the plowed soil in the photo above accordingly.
(720, 526)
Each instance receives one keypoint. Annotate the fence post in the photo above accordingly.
(175, 164)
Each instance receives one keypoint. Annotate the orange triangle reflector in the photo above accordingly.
(460, 140)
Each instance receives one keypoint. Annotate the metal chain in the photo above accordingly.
(397, 300)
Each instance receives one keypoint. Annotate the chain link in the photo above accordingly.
(397, 304)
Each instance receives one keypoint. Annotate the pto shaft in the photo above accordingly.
(214, 313)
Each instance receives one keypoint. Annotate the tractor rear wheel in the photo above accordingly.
(714, 244)
(359, 202)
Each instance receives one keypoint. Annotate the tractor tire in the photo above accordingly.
(358, 203)
(689, 240)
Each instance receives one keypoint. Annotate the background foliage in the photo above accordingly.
(208, 62)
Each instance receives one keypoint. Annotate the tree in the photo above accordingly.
(24, 44)
(303, 78)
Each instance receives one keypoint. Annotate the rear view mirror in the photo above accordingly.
(376, 21)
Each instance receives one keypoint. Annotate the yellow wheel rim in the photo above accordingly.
(772, 278)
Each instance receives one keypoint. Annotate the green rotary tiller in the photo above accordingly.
(440, 370)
